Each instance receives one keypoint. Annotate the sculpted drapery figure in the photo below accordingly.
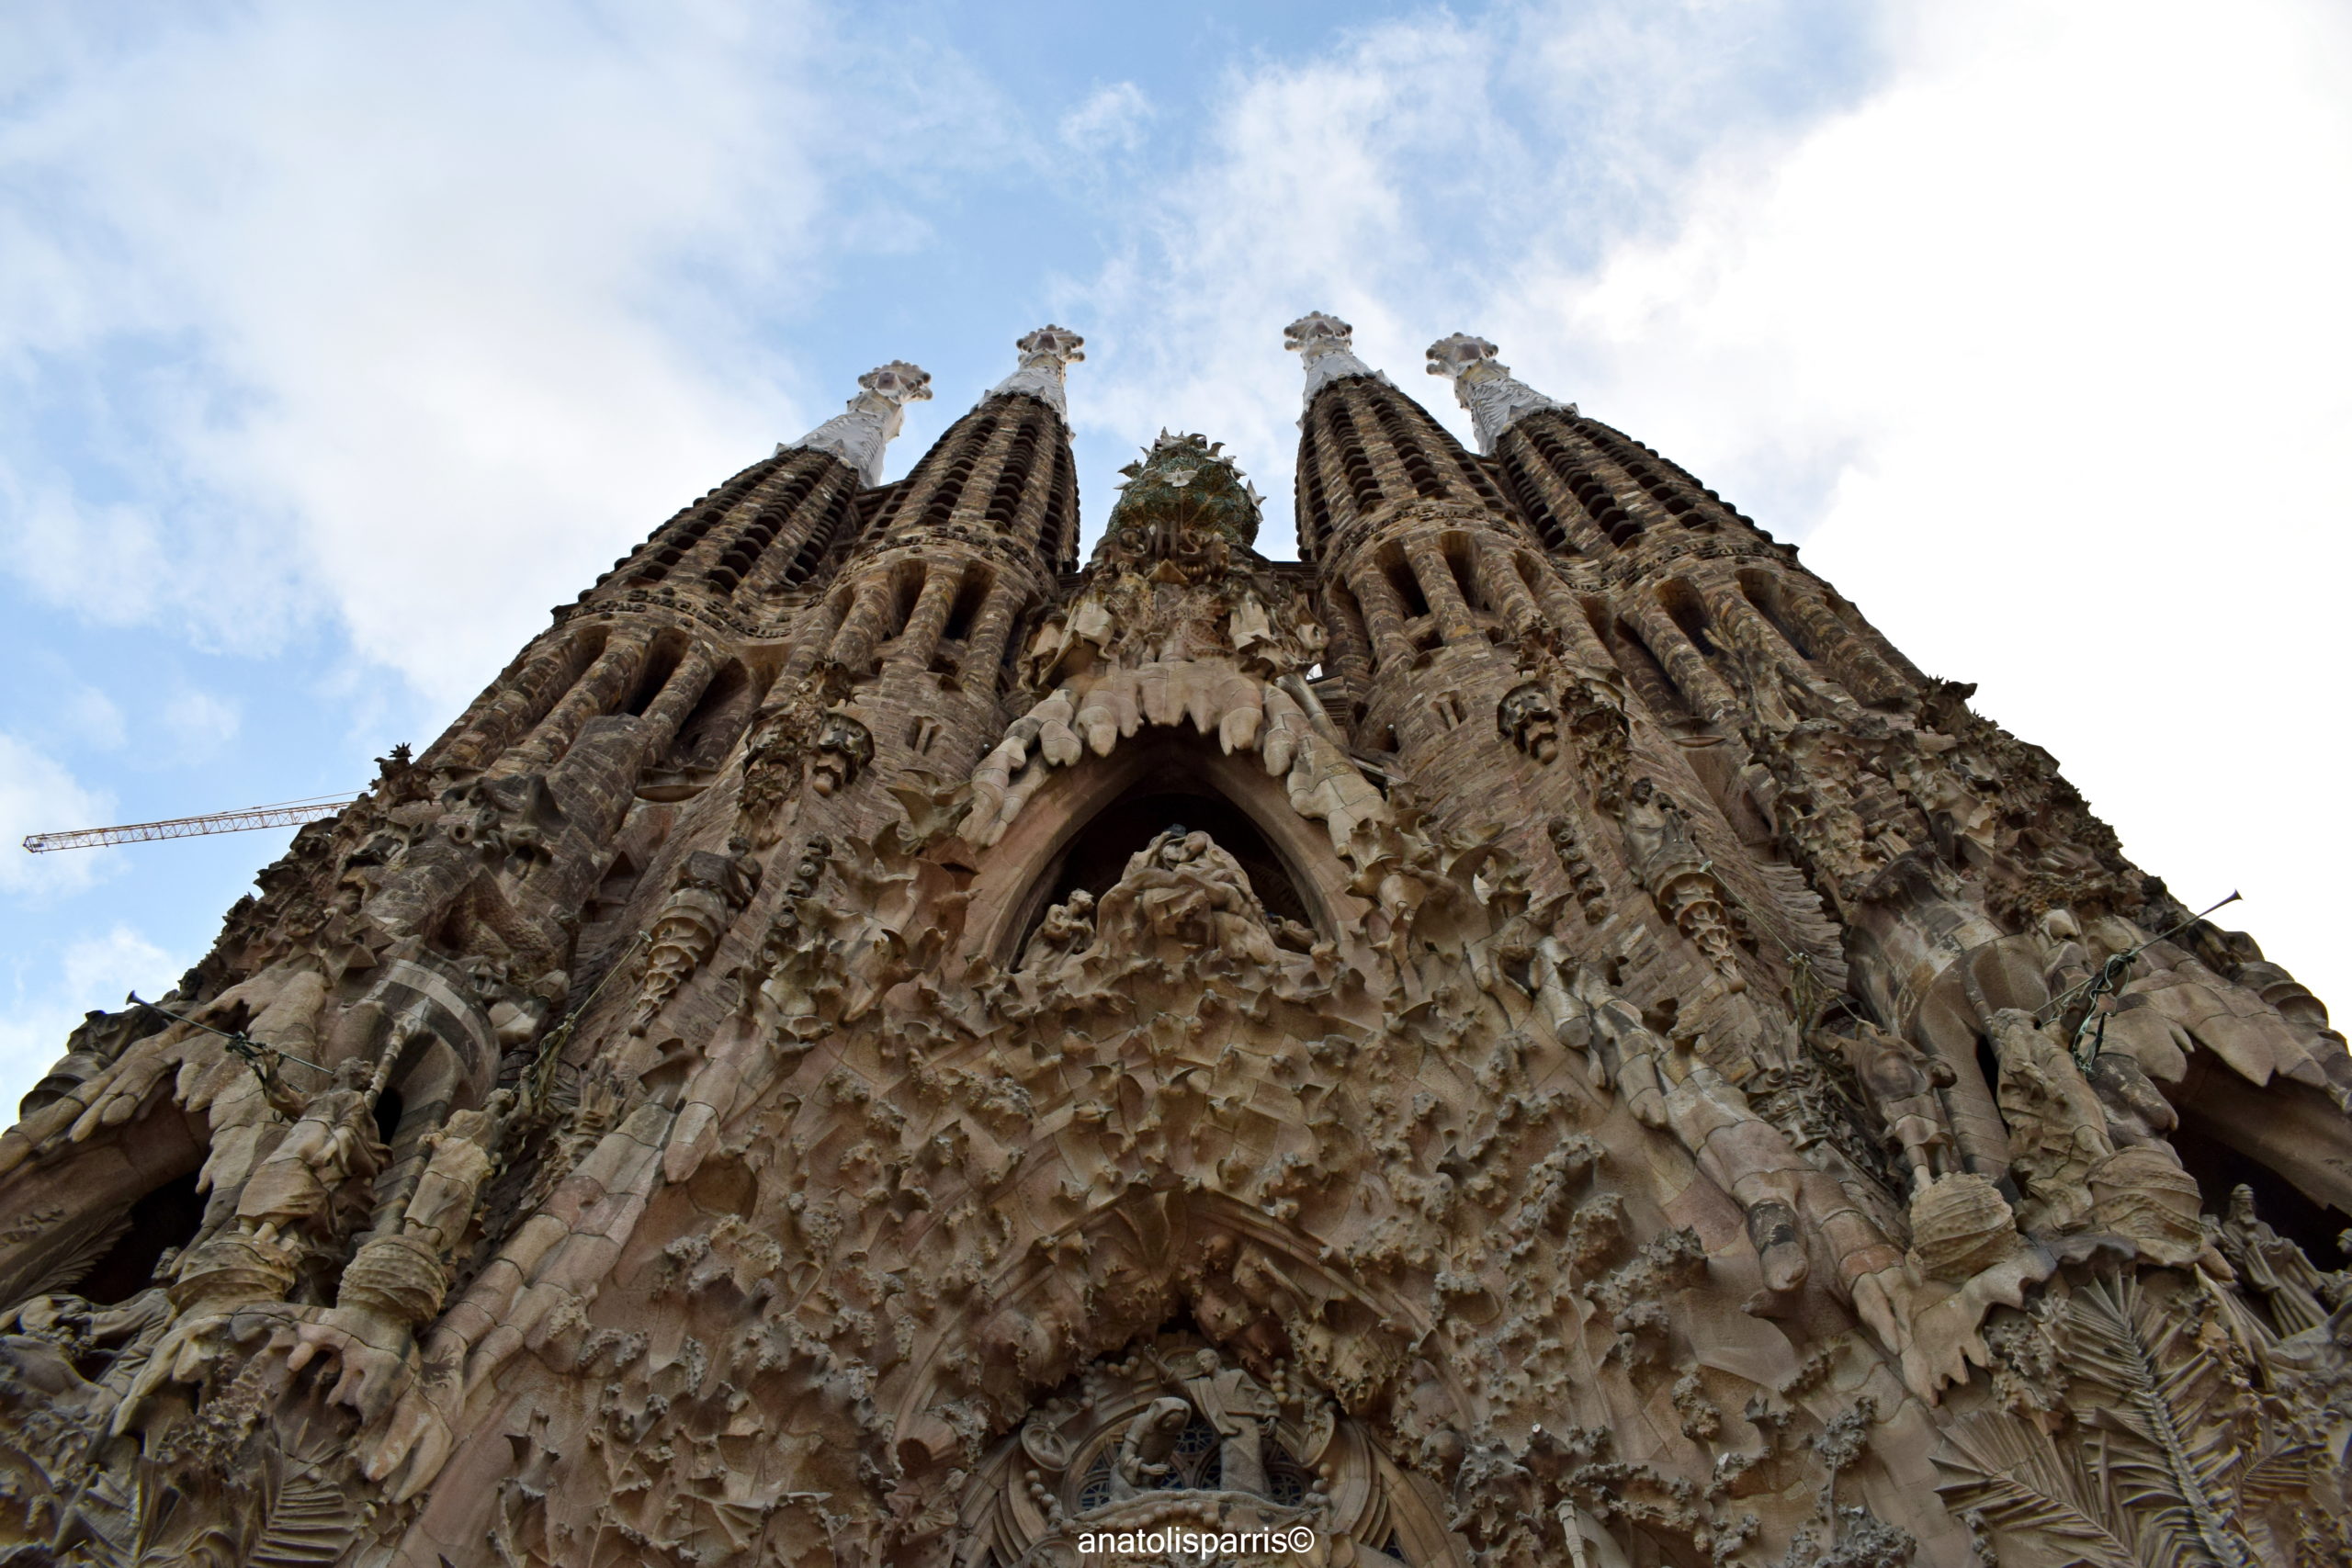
(461, 1157)
(1182, 891)
(2057, 1128)
(1903, 1085)
(2273, 1267)
(333, 1142)
(1236, 1406)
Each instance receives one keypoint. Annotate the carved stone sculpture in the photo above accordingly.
(1666, 860)
(2057, 1130)
(1529, 720)
(2273, 1267)
(1903, 1086)
(711, 890)
(333, 1141)
(876, 1043)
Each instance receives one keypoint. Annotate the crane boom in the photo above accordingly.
(286, 814)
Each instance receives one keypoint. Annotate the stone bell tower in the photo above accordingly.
(1530, 1034)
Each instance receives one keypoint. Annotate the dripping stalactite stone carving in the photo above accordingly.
(1532, 1034)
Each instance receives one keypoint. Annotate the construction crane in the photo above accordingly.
(284, 814)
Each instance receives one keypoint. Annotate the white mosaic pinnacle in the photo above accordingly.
(1045, 354)
(1325, 347)
(1496, 400)
(860, 433)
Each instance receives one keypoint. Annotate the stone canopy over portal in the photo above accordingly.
(1530, 1034)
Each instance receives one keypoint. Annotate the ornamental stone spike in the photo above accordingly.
(861, 433)
(1044, 354)
(1325, 347)
(1496, 399)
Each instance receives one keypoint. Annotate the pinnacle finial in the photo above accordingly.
(861, 433)
(1044, 354)
(1453, 356)
(1325, 347)
(1496, 400)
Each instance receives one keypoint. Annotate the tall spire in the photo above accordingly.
(1326, 346)
(1496, 400)
(859, 434)
(1044, 354)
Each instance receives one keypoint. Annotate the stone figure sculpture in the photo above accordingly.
(1529, 720)
(1236, 1406)
(1903, 1086)
(293, 1192)
(2273, 1267)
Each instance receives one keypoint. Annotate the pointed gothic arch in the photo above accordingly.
(85, 1198)
(1019, 875)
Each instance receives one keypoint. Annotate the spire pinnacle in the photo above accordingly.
(1496, 399)
(859, 434)
(1044, 354)
(1325, 347)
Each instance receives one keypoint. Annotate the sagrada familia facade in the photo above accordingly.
(1529, 1035)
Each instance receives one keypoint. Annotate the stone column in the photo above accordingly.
(1499, 575)
(1566, 612)
(1866, 674)
(861, 629)
(1383, 613)
(1436, 577)
(919, 640)
(1349, 653)
(811, 637)
(597, 692)
(991, 628)
(1707, 692)
(1744, 624)
(668, 712)
(512, 704)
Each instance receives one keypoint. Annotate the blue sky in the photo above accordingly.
(338, 342)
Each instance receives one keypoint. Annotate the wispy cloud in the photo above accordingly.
(199, 722)
(95, 973)
(415, 370)
(1409, 178)
(1114, 118)
(2042, 344)
(38, 794)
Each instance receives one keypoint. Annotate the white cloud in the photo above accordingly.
(200, 723)
(93, 973)
(1299, 202)
(1405, 180)
(1114, 118)
(39, 794)
(95, 966)
(390, 307)
(92, 717)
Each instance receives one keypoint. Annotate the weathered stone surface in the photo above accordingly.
(1531, 1035)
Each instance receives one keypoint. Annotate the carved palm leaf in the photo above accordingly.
(2016, 1478)
(310, 1522)
(2168, 1431)
(72, 1267)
